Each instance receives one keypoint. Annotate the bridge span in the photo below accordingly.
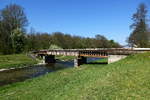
(113, 54)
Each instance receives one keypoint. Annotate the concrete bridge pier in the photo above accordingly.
(79, 61)
(115, 58)
(49, 59)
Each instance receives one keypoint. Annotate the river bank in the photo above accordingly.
(126, 79)
(9, 62)
(22, 73)
(15, 61)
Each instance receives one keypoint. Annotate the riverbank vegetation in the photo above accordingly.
(15, 61)
(65, 58)
(126, 79)
(15, 39)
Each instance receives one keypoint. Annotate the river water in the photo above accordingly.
(21, 74)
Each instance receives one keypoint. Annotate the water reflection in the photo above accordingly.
(17, 75)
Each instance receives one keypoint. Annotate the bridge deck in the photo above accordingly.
(91, 52)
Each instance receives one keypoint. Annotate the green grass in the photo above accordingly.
(14, 61)
(128, 79)
(65, 57)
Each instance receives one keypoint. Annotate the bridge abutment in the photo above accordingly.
(79, 61)
(115, 58)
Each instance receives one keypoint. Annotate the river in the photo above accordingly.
(21, 74)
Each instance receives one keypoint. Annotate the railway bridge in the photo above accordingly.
(113, 54)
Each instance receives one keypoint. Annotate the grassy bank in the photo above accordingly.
(126, 79)
(14, 61)
(65, 57)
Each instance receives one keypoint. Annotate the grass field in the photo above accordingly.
(128, 79)
(65, 57)
(14, 61)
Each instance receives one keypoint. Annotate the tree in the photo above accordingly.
(0, 37)
(58, 39)
(113, 44)
(139, 36)
(53, 46)
(18, 41)
(12, 18)
(101, 41)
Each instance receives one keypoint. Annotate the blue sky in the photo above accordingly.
(87, 18)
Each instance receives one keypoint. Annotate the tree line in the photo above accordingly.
(65, 41)
(15, 39)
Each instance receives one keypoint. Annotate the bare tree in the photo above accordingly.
(12, 18)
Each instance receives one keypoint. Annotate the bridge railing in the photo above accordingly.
(101, 52)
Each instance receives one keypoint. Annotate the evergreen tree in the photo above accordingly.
(139, 36)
